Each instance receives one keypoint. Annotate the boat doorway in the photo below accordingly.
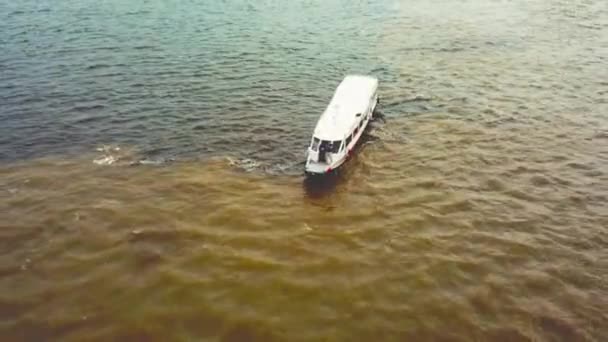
(324, 148)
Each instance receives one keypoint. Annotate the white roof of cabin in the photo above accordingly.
(352, 96)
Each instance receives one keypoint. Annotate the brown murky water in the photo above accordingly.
(476, 212)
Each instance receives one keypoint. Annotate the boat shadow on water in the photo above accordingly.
(318, 186)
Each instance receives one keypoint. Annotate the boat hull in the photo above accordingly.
(341, 126)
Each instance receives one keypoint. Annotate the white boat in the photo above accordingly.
(342, 123)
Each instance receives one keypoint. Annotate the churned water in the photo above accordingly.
(151, 157)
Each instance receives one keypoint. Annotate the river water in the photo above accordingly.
(151, 158)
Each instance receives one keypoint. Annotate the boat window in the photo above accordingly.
(336, 146)
(325, 146)
(348, 140)
(356, 130)
(315, 144)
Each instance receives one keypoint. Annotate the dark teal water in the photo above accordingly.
(177, 79)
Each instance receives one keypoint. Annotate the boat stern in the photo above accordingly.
(313, 166)
(316, 168)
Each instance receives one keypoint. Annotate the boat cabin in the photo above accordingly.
(342, 123)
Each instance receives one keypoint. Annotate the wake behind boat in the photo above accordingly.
(342, 123)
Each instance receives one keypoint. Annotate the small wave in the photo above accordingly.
(97, 66)
(143, 47)
(110, 155)
(245, 164)
(135, 13)
(418, 98)
(108, 148)
(275, 168)
(85, 108)
(601, 135)
(153, 162)
(115, 155)
(105, 160)
(415, 98)
(149, 162)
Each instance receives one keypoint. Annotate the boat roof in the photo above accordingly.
(352, 96)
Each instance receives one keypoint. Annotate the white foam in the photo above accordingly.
(105, 160)
(244, 164)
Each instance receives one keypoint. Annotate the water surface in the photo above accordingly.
(151, 157)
